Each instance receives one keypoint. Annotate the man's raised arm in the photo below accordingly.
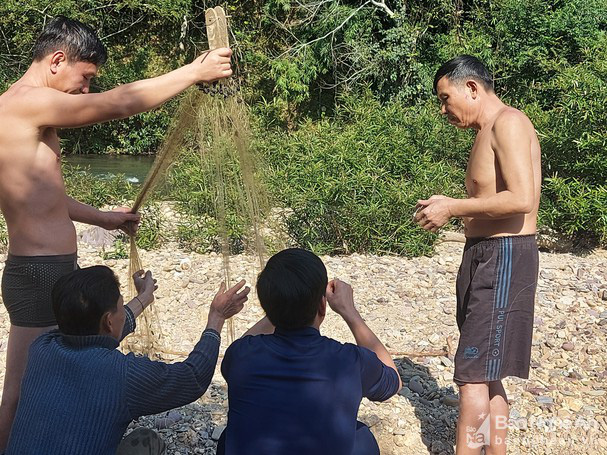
(54, 108)
(341, 300)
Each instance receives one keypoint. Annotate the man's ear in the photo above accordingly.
(472, 88)
(322, 308)
(57, 59)
(105, 323)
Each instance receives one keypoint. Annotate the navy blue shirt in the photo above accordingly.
(297, 392)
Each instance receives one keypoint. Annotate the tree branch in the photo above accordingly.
(383, 6)
(332, 32)
(124, 29)
(8, 48)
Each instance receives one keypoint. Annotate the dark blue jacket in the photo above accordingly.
(79, 393)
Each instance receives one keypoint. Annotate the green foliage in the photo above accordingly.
(576, 208)
(86, 188)
(152, 232)
(353, 184)
(293, 77)
(198, 233)
(192, 184)
(119, 250)
(575, 126)
(344, 110)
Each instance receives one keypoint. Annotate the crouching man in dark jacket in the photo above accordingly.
(79, 393)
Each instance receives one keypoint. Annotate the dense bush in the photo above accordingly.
(578, 209)
(353, 182)
(98, 192)
(344, 112)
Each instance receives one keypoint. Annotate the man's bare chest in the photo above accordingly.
(482, 172)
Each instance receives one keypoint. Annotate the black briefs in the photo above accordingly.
(27, 283)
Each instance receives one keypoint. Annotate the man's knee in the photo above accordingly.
(474, 394)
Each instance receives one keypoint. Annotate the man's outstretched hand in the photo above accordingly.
(145, 284)
(213, 65)
(121, 218)
(226, 304)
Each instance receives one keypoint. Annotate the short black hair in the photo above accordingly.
(290, 288)
(81, 297)
(464, 67)
(79, 42)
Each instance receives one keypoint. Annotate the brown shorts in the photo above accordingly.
(495, 290)
(27, 283)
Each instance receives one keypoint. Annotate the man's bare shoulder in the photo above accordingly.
(513, 124)
(26, 91)
(22, 97)
(514, 120)
(31, 105)
(510, 117)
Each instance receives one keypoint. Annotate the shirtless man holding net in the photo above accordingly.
(498, 275)
(39, 215)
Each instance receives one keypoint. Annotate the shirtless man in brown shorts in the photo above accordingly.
(52, 94)
(498, 275)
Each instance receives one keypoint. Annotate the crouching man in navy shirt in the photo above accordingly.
(292, 391)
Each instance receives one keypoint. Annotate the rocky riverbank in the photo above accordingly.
(410, 305)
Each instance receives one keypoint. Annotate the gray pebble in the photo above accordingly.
(217, 432)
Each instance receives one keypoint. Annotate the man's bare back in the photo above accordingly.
(32, 192)
(484, 179)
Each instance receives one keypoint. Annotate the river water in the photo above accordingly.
(134, 168)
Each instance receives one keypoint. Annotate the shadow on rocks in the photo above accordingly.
(193, 428)
(436, 407)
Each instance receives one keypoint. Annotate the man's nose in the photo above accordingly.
(84, 89)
